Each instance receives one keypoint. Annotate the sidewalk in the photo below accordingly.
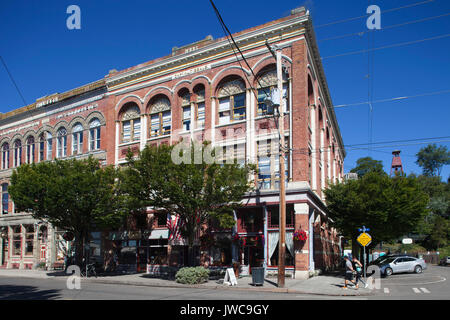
(326, 285)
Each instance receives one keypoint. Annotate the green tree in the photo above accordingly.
(196, 191)
(366, 165)
(75, 195)
(390, 207)
(432, 158)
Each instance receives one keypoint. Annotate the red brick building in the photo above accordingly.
(203, 92)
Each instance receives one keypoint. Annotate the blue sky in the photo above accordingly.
(45, 57)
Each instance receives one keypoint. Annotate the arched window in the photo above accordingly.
(131, 124)
(61, 143)
(232, 101)
(30, 147)
(5, 156)
(17, 153)
(268, 82)
(94, 134)
(160, 117)
(77, 139)
(5, 198)
(200, 107)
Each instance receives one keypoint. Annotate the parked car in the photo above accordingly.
(386, 256)
(445, 261)
(401, 264)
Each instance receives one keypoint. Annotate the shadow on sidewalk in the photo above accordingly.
(11, 292)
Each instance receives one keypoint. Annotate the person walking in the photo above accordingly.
(348, 272)
(357, 267)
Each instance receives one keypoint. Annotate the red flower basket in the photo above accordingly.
(300, 235)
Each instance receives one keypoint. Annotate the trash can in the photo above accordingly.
(258, 276)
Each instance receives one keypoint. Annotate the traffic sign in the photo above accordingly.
(364, 239)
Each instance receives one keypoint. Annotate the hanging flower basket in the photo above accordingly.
(300, 235)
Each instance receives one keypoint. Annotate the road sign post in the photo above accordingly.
(364, 240)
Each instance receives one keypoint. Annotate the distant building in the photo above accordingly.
(351, 176)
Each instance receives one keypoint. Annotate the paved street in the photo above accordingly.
(432, 284)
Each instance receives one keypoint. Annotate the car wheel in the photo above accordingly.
(418, 269)
(388, 272)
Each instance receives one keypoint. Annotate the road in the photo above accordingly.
(433, 284)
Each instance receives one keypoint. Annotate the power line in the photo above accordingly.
(388, 46)
(364, 16)
(394, 99)
(361, 33)
(12, 79)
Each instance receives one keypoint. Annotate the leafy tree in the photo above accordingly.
(366, 165)
(75, 195)
(432, 158)
(194, 190)
(390, 207)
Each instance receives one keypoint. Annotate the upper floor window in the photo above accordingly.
(77, 139)
(269, 164)
(5, 198)
(266, 83)
(232, 106)
(186, 107)
(17, 153)
(49, 140)
(5, 156)
(131, 124)
(160, 117)
(94, 134)
(200, 108)
(61, 143)
(30, 148)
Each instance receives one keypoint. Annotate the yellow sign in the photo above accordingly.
(364, 239)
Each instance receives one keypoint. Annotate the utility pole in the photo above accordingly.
(282, 210)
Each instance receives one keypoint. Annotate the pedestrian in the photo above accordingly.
(348, 272)
(357, 266)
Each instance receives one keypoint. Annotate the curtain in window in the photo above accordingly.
(154, 125)
(224, 111)
(290, 242)
(166, 121)
(200, 115)
(126, 131)
(273, 242)
(136, 129)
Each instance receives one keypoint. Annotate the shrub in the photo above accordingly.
(192, 275)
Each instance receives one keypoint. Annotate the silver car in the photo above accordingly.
(401, 264)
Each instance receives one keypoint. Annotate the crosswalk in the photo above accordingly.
(387, 290)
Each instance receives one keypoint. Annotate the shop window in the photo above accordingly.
(61, 143)
(30, 148)
(158, 251)
(5, 156)
(288, 261)
(17, 241)
(232, 102)
(131, 124)
(29, 240)
(5, 198)
(94, 134)
(274, 216)
(161, 220)
(77, 139)
(17, 153)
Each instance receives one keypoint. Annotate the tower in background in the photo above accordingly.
(396, 165)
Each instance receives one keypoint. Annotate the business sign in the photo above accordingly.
(407, 241)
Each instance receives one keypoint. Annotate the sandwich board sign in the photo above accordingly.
(230, 277)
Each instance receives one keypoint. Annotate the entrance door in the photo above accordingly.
(5, 247)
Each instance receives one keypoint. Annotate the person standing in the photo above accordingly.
(348, 272)
(357, 266)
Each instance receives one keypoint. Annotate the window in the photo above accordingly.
(29, 240)
(232, 106)
(268, 82)
(49, 139)
(17, 241)
(269, 164)
(161, 220)
(5, 156)
(131, 124)
(274, 216)
(94, 134)
(30, 147)
(160, 117)
(187, 118)
(41, 147)
(5, 198)
(17, 153)
(61, 143)
(77, 139)
(200, 112)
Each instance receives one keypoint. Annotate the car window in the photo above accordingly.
(409, 259)
(399, 260)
